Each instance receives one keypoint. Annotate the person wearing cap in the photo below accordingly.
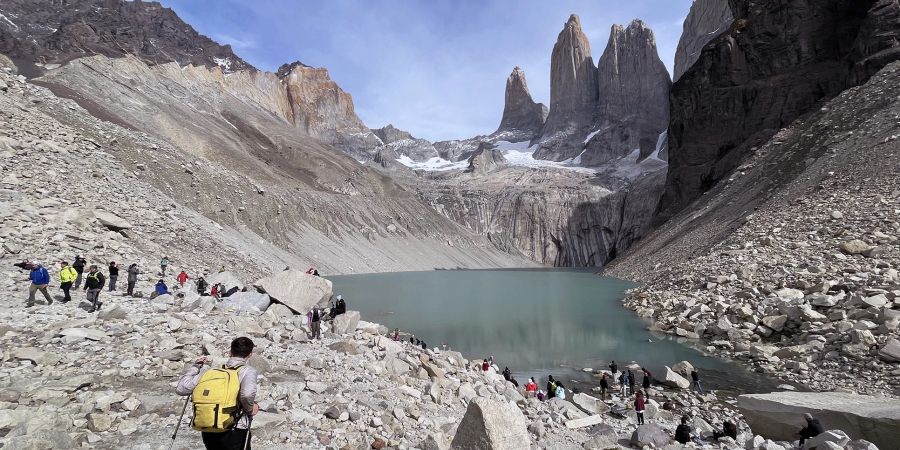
(39, 281)
(78, 265)
(812, 429)
(67, 276)
(93, 284)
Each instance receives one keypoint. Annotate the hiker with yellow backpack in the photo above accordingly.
(224, 398)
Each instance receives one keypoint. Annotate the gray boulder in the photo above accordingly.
(228, 279)
(890, 352)
(672, 379)
(251, 302)
(649, 434)
(111, 221)
(345, 323)
(491, 425)
(779, 415)
(589, 404)
(296, 289)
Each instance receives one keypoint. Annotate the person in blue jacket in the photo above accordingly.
(161, 288)
(39, 281)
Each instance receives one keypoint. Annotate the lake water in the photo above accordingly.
(536, 322)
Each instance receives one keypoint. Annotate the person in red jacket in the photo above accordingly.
(182, 278)
(639, 407)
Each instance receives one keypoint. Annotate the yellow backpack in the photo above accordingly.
(215, 398)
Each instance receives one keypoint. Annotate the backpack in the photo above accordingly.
(215, 398)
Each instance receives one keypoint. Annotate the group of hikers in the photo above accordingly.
(316, 315)
(72, 275)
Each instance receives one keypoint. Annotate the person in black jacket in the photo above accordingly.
(113, 275)
(683, 431)
(93, 284)
(813, 428)
(646, 381)
(78, 265)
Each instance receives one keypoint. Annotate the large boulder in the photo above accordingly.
(228, 279)
(589, 404)
(491, 425)
(779, 415)
(111, 221)
(296, 289)
(672, 379)
(345, 323)
(252, 302)
(650, 434)
(890, 352)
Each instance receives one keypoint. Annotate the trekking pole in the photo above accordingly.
(177, 426)
(249, 424)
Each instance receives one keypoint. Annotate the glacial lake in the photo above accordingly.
(537, 322)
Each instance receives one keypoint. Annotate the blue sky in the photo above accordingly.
(436, 68)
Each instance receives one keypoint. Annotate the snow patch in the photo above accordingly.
(591, 135)
(434, 164)
(520, 154)
(224, 63)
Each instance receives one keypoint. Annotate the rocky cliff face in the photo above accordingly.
(401, 143)
(54, 31)
(706, 20)
(522, 117)
(325, 111)
(573, 95)
(634, 86)
(776, 62)
(485, 159)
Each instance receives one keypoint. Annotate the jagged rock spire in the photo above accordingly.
(522, 117)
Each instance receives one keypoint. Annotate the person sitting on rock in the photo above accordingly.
(530, 388)
(182, 278)
(507, 374)
(396, 334)
(729, 429)
(340, 306)
(485, 365)
(160, 288)
(39, 281)
(241, 350)
(812, 429)
(683, 431)
(560, 391)
(93, 284)
(639, 407)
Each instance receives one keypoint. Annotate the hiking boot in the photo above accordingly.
(91, 310)
(49, 302)
(29, 305)
(99, 305)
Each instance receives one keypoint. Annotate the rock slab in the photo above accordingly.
(491, 425)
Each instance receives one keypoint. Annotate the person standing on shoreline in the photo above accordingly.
(646, 381)
(551, 387)
(613, 368)
(631, 382)
(695, 381)
(604, 387)
(623, 384)
(639, 407)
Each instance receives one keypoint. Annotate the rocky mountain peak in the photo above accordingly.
(633, 85)
(37, 33)
(706, 20)
(390, 134)
(573, 94)
(285, 70)
(522, 117)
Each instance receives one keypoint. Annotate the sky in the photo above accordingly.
(436, 68)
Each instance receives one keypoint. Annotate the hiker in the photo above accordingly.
(316, 324)
(160, 288)
(695, 381)
(182, 278)
(812, 429)
(551, 387)
(312, 271)
(133, 272)
(560, 391)
(340, 307)
(214, 292)
(541, 395)
(604, 387)
(530, 388)
(507, 374)
(79, 269)
(396, 334)
(201, 286)
(623, 384)
(113, 275)
(631, 382)
(729, 429)
(491, 359)
(639, 407)
(67, 276)
(646, 381)
(485, 366)
(40, 279)
(613, 368)
(425, 347)
(237, 429)
(93, 284)
(163, 263)
(683, 431)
